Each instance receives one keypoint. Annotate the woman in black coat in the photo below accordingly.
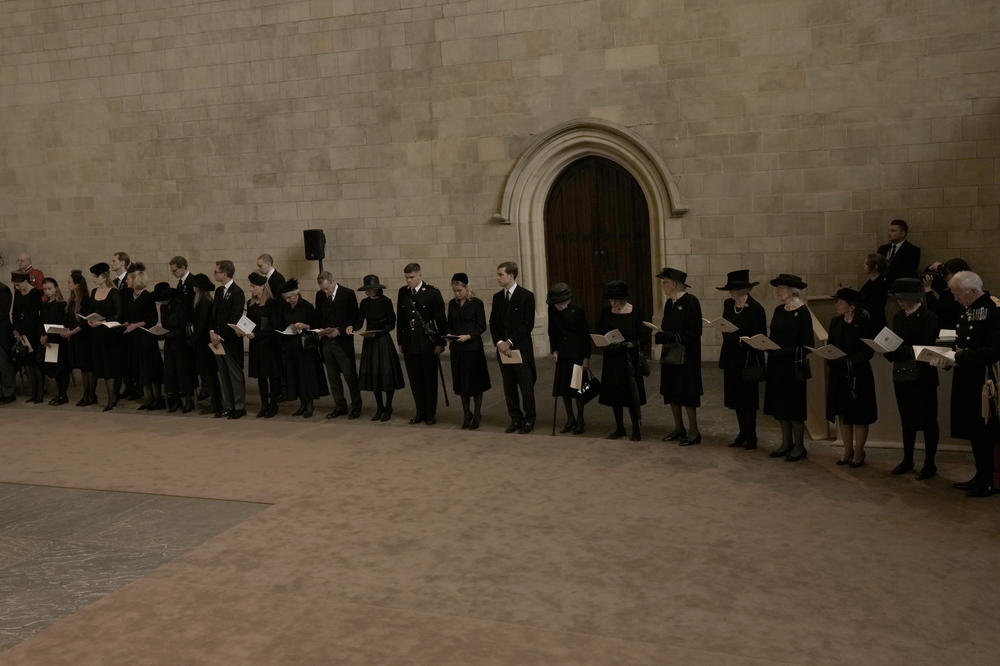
(785, 390)
(178, 373)
(53, 313)
(622, 382)
(303, 366)
(874, 292)
(80, 354)
(850, 391)
(264, 357)
(680, 385)
(469, 372)
(105, 300)
(914, 383)
(27, 325)
(742, 366)
(144, 361)
(569, 339)
(198, 335)
(379, 370)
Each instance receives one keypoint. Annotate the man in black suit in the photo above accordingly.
(511, 322)
(901, 256)
(119, 268)
(275, 280)
(227, 309)
(420, 327)
(179, 269)
(337, 309)
(7, 372)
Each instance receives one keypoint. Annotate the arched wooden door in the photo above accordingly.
(597, 230)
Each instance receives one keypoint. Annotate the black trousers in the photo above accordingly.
(519, 379)
(983, 437)
(231, 380)
(422, 371)
(339, 363)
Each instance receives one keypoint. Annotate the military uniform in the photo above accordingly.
(420, 325)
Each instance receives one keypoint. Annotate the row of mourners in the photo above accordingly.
(301, 351)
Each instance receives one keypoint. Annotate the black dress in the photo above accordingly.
(26, 320)
(850, 392)
(916, 400)
(81, 355)
(735, 355)
(681, 322)
(379, 369)
(144, 361)
(784, 395)
(204, 360)
(54, 312)
(304, 377)
(469, 372)
(264, 358)
(106, 343)
(569, 335)
(621, 376)
(874, 293)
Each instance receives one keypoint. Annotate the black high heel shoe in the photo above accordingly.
(676, 434)
(858, 463)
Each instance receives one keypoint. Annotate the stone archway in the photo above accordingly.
(531, 179)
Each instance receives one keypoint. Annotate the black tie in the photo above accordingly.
(892, 253)
(413, 292)
(507, 295)
(180, 284)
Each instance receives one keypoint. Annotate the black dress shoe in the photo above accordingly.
(237, 414)
(475, 421)
(339, 411)
(354, 414)
(378, 414)
(780, 453)
(513, 427)
(926, 473)
(690, 441)
(187, 405)
(430, 420)
(750, 445)
(307, 412)
(526, 427)
(983, 490)
(858, 463)
(416, 419)
(676, 434)
(300, 410)
(902, 468)
(796, 457)
(387, 414)
(738, 442)
(568, 427)
(843, 461)
(620, 432)
(580, 427)
(965, 485)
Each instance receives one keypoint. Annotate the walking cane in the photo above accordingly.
(444, 387)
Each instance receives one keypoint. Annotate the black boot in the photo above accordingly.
(301, 410)
(466, 413)
(308, 411)
(173, 403)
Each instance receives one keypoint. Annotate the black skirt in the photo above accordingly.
(564, 375)
(379, 369)
(144, 361)
(105, 347)
(469, 372)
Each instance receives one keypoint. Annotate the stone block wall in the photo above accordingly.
(795, 129)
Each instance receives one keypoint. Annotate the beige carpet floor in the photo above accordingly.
(396, 544)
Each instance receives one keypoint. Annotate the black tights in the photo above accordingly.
(572, 418)
(387, 404)
(633, 414)
(747, 420)
(931, 436)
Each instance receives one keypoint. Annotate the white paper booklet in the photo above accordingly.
(52, 353)
(156, 330)
(290, 330)
(112, 324)
(244, 324)
(93, 316)
(55, 329)
(514, 357)
(722, 324)
(760, 341)
(649, 324)
(931, 354)
(576, 380)
(947, 335)
(610, 338)
(829, 352)
(885, 341)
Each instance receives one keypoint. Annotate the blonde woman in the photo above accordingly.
(145, 364)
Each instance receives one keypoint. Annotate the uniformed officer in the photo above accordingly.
(420, 328)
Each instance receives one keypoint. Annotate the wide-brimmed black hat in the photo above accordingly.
(852, 296)
(738, 280)
(291, 287)
(788, 280)
(616, 289)
(136, 267)
(201, 281)
(907, 289)
(371, 281)
(99, 268)
(460, 277)
(257, 279)
(163, 291)
(677, 276)
(18, 276)
(558, 293)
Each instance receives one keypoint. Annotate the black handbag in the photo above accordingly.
(672, 353)
(906, 371)
(753, 371)
(801, 365)
(591, 387)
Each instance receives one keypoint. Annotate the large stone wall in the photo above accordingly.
(795, 129)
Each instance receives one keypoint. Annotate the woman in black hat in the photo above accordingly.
(80, 354)
(680, 385)
(569, 339)
(914, 383)
(874, 292)
(785, 390)
(304, 376)
(742, 365)
(264, 356)
(622, 382)
(379, 370)
(106, 343)
(178, 370)
(199, 337)
(850, 392)
(144, 361)
(469, 373)
(53, 312)
(27, 325)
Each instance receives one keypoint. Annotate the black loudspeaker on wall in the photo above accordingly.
(315, 241)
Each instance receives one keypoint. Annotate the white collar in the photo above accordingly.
(270, 273)
(226, 286)
(418, 287)
(186, 275)
(511, 289)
